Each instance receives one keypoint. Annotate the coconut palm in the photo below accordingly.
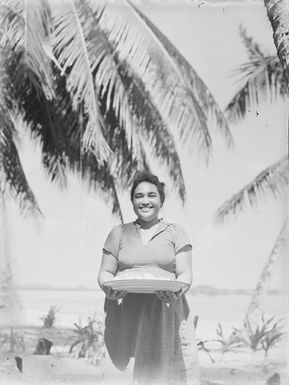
(268, 272)
(102, 90)
(272, 181)
(278, 14)
(9, 301)
(262, 78)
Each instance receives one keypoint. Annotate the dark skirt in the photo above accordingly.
(159, 336)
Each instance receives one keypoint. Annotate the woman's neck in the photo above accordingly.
(147, 225)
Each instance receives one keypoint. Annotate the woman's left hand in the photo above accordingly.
(168, 296)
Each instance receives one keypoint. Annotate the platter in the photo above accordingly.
(145, 285)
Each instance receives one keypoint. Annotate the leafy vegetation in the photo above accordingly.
(261, 78)
(50, 317)
(12, 342)
(255, 336)
(228, 343)
(262, 336)
(88, 341)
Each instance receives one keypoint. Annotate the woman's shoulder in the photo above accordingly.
(177, 230)
(179, 235)
(174, 227)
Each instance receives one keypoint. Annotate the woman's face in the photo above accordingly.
(146, 201)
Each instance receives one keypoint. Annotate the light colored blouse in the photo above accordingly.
(124, 242)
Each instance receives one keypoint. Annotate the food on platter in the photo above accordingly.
(145, 273)
(141, 276)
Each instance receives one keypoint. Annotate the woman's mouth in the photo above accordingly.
(145, 208)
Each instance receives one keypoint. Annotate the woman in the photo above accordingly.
(155, 329)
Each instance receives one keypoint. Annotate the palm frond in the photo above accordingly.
(253, 48)
(116, 209)
(68, 121)
(105, 70)
(257, 300)
(272, 180)
(25, 29)
(99, 178)
(154, 130)
(124, 93)
(71, 52)
(12, 24)
(195, 86)
(12, 174)
(127, 159)
(261, 78)
(136, 43)
(38, 113)
(37, 20)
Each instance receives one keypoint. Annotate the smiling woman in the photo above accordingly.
(155, 328)
(147, 196)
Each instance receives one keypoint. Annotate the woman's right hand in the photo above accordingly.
(114, 294)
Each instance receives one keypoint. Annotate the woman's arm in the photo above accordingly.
(184, 265)
(183, 274)
(108, 268)
(107, 271)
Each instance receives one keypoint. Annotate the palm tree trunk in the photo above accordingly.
(278, 14)
(255, 308)
(9, 302)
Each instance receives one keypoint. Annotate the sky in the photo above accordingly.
(66, 249)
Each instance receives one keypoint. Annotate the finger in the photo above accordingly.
(162, 298)
(171, 295)
(110, 294)
(162, 295)
(121, 294)
(179, 293)
(118, 294)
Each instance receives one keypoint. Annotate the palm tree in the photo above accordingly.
(278, 14)
(268, 272)
(101, 91)
(9, 302)
(262, 78)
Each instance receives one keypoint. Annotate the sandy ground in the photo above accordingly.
(62, 368)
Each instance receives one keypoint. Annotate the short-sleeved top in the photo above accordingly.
(124, 242)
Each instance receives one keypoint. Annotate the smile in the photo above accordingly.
(145, 208)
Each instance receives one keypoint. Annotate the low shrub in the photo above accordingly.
(261, 335)
(13, 342)
(50, 317)
(228, 343)
(89, 341)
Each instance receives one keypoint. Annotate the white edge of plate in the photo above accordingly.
(145, 285)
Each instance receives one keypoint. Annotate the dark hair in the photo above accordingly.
(146, 176)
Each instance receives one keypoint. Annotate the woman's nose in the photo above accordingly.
(145, 200)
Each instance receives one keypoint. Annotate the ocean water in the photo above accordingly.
(78, 305)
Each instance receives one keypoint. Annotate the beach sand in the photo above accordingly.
(60, 367)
